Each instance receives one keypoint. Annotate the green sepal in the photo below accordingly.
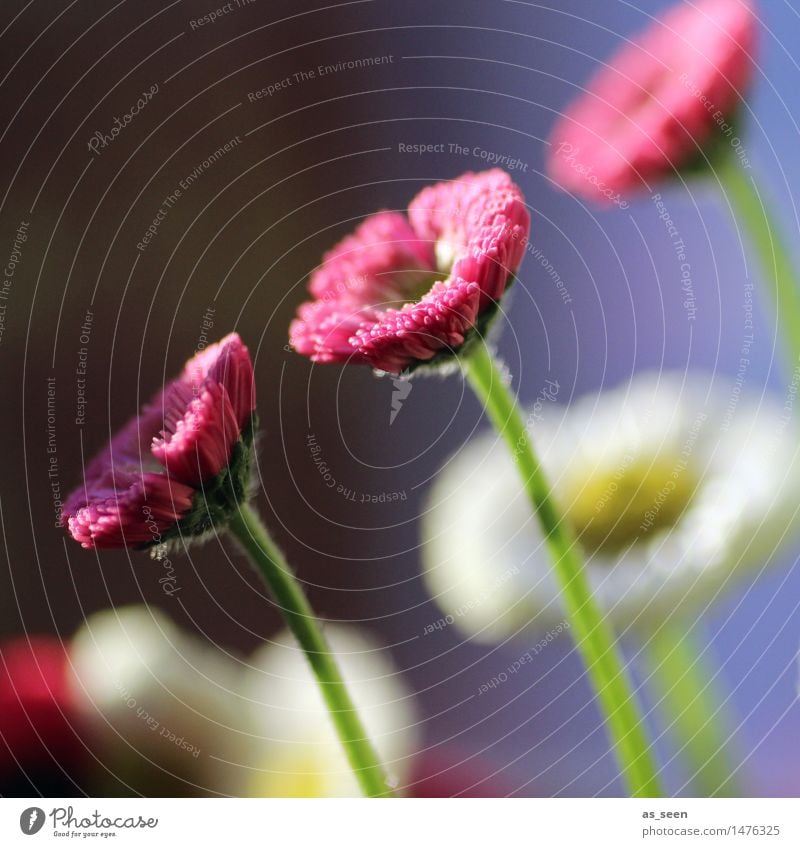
(218, 499)
(715, 149)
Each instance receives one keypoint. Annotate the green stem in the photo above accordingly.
(689, 699)
(593, 636)
(272, 566)
(751, 212)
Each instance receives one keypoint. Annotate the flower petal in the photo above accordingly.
(137, 510)
(197, 446)
(657, 102)
(378, 299)
(379, 263)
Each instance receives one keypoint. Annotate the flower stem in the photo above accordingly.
(688, 698)
(751, 212)
(288, 594)
(593, 635)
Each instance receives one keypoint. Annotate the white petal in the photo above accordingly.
(150, 693)
(296, 751)
(485, 561)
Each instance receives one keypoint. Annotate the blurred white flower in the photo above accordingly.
(298, 753)
(673, 484)
(161, 705)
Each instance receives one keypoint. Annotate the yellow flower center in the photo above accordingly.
(296, 773)
(446, 252)
(618, 506)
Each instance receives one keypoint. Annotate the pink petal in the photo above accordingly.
(653, 107)
(379, 263)
(136, 512)
(197, 446)
(189, 427)
(475, 227)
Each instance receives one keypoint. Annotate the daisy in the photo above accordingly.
(297, 750)
(407, 290)
(37, 714)
(402, 293)
(181, 469)
(157, 702)
(668, 103)
(663, 97)
(673, 485)
(178, 465)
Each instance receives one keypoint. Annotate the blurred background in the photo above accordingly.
(310, 152)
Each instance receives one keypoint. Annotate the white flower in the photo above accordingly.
(673, 483)
(298, 753)
(158, 701)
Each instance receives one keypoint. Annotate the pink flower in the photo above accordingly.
(149, 476)
(402, 290)
(661, 98)
(451, 772)
(36, 709)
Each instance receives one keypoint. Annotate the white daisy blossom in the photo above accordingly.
(674, 484)
(154, 696)
(297, 752)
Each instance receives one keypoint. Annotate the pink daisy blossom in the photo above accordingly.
(402, 290)
(148, 478)
(658, 101)
(36, 708)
